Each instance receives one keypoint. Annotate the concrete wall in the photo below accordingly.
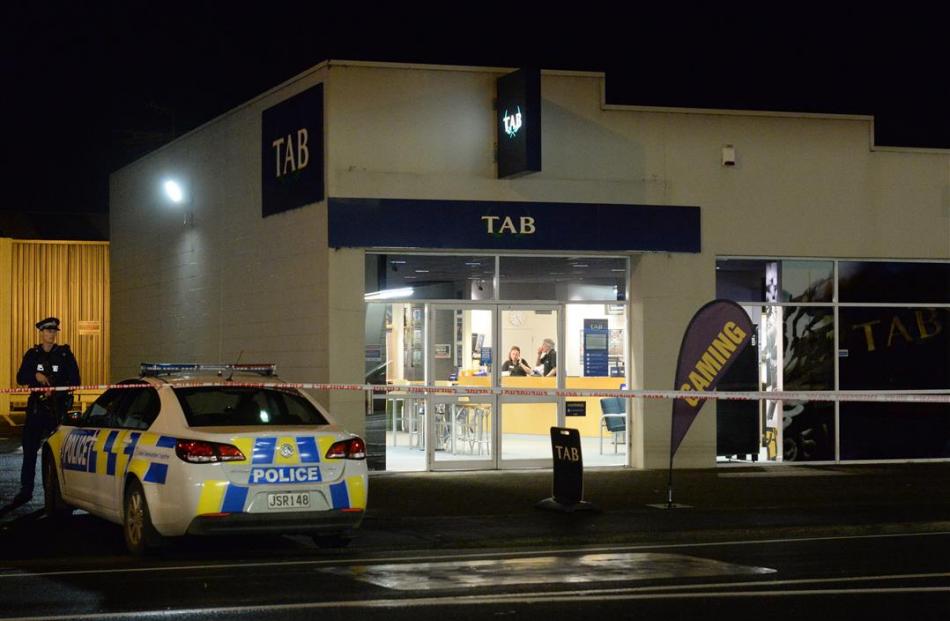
(227, 281)
(803, 186)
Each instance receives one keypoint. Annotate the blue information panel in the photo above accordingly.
(595, 348)
(506, 225)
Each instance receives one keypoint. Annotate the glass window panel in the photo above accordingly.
(526, 428)
(766, 280)
(522, 336)
(808, 431)
(808, 360)
(603, 426)
(807, 281)
(429, 277)
(741, 279)
(563, 278)
(463, 430)
(893, 281)
(596, 343)
(894, 431)
(890, 348)
(404, 419)
(463, 346)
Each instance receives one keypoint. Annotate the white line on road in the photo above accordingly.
(634, 593)
(452, 555)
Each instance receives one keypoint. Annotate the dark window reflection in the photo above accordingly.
(807, 281)
(894, 430)
(763, 280)
(742, 280)
(891, 348)
(430, 277)
(563, 278)
(808, 431)
(809, 348)
(892, 281)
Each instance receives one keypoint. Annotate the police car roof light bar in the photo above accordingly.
(153, 369)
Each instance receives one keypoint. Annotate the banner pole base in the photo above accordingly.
(552, 504)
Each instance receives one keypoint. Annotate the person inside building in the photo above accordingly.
(515, 365)
(44, 365)
(547, 359)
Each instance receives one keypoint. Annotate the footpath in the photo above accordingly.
(496, 509)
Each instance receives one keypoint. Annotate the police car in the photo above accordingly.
(201, 449)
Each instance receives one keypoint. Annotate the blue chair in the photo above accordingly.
(614, 420)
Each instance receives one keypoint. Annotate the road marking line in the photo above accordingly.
(550, 570)
(453, 555)
(478, 600)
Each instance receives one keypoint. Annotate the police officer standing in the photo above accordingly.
(44, 365)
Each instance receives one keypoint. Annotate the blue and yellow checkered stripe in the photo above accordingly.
(227, 497)
(114, 453)
(111, 453)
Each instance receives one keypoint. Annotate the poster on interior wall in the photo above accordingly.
(443, 351)
(292, 153)
(615, 346)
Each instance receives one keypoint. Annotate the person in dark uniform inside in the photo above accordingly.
(515, 365)
(46, 364)
(547, 359)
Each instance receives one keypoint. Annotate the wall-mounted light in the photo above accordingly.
(176, 195)
(173, 191)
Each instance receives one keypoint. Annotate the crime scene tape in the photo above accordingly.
(794, 395)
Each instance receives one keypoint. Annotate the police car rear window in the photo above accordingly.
(224, 406)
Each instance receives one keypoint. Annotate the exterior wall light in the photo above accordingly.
(173, 191)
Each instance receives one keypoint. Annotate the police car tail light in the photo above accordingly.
(199, 452)
(354, 448)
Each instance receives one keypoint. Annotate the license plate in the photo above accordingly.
(279, 502)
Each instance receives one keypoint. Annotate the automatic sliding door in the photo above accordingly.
(462, 353)
(528, 361)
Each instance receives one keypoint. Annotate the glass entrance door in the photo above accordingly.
(463, 353)
(529, 360)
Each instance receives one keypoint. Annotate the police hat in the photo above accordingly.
(50, 323)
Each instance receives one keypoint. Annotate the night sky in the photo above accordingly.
(91, 86)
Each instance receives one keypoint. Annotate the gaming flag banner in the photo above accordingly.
(715, 337)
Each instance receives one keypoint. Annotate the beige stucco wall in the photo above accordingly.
(230, 281)
(803, 186)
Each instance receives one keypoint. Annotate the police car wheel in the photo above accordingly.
(56, 508)
(140, 536)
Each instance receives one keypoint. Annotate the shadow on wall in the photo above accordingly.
(614, 164)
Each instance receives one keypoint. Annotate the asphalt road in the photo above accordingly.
(82, 572)
(824, 542)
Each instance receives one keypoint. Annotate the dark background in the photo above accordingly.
(91, 86)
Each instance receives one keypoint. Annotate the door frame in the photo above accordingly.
(560, 331)
(434, 400)
(493, 401)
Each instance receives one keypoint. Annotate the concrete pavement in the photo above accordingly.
(497, 508)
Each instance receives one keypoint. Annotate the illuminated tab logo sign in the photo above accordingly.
(510, 225)
(518, 122)
(292, 153)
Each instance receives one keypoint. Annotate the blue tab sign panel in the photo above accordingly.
(506, 225)
(292, 152)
